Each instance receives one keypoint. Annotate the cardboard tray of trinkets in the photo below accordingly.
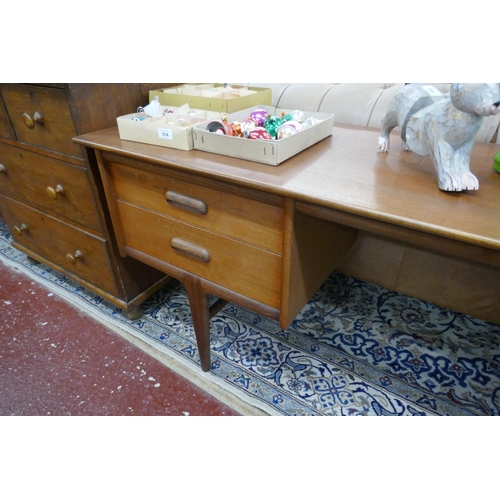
(271, 152)
(172, 129)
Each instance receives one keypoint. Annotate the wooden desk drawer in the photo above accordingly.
(41, 117)
(245, 269)
(38, 179)
(55, 241)
(235, 212)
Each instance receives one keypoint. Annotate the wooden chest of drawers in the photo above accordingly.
(51, 194)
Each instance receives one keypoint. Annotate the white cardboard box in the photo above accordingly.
(173, 130)
(270, 152)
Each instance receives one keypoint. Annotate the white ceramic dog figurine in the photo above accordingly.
(442, 126)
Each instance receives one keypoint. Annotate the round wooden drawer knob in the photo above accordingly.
(20, 229)
(73, 258)
(54, 192)
(30, 122)
(3, 170)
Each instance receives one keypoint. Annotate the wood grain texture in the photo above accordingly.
(313, 247)
(234, 213)
(198, 300)
(28, 176)
(55, 178)
(57, 129)
(53, 239)
(346, 172)
(109, 100)
(5, 125)
(208, 286)
(243, 268)
(479, 253)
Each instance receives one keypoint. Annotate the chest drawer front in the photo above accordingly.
(52, 185)
(233, 212)
(41, 117)
(77, 251)
(5, 128)
(245, 269)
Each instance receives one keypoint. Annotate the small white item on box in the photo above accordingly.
(154, 109)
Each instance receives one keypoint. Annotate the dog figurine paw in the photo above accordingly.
(442, 126)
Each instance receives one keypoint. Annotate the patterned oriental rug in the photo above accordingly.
(355, 349)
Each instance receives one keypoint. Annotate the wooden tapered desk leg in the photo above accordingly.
(198, 302)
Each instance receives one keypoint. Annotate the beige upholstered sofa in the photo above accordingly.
(356, 103)
(448, 281)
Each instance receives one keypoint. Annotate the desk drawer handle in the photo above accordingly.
(186, 202)
(189, 249)
(54, 192)
(30, 122)
(3, 170)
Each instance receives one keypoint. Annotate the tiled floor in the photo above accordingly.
(56, 360)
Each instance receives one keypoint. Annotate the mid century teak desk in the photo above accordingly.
(266, 237)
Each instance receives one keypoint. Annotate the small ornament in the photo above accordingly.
(310, 122)
(153, 109)
(227, 126)
(289, 128)
(298, 116)
(272, 124)
(259, 116)
(237, 131)
(247, 125)
(219, 127)
(259, 133)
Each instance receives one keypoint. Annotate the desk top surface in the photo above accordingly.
(346, 172)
